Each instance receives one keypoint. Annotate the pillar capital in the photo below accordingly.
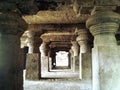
(103, 26)
(75, 48)
(103, 21)
(12, 23)
(44, 48)
(30, 41)
(71, 52)
(33, 41)
(83, 40)
(30, 33)
(83, 34)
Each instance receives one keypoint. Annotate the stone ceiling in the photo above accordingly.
(61, 16)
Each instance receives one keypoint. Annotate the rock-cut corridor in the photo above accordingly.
(57, 84)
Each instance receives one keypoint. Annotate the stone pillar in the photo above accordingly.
(44, 49)
(53, 61)
(37, 43)
(103, 23)
(75, 49)
(71, 59)
(30, 41)
(12, 27)
(83, 40)
(33, 57)
(69, 65)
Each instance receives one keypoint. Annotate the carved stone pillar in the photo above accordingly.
(71, 58)
(75, 49)
(33, 57)
(83, 40)
(12, 27)
(44, 49)
(37, 43)
(30, 41)
(103, 23)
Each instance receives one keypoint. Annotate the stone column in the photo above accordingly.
(30, 41)
(75, 49)
(44, 49)
(33, 57)
(69, 65)
(103, 24)
(71, 58)
(53, 61)
(37, 43)
(83, 40)
(12, 27)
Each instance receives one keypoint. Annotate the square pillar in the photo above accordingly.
(11, 64)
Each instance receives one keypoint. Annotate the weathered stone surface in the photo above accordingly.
(11, 23)
(102, 16)
(106, 68)
(75, 64)
(70, 27)
(33, 67)
(86, 66)
(58, 36)
(11, 65)
(43, 17)
(107, 2)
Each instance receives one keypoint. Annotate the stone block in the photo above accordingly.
(33, 66)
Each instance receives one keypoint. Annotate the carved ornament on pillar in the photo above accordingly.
(75, 48)
(44, 48)
(71, 52)
(30, 41)
(37, 43)
(83, 40)
(103, 24)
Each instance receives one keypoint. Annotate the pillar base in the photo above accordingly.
(33, 67)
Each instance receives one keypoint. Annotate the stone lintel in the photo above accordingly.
(107, 2)
(56, 49)
(55, 27)
(43, 17)
(58, 37)
(60, 44)
(98, 2)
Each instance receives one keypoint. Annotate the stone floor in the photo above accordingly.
(57, 84)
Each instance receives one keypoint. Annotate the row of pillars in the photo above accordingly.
(103, 24)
